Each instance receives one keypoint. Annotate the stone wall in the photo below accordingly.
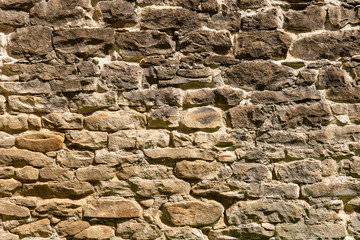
(179, 119)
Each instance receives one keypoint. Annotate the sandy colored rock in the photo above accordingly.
(304, 171)
(105, 208)
(94, 173)
(118, 13)
(197, 169)
(8, 187)
(23, 157)
(87, 140)
(58, 207)
(202, 118)
(6, 140)
(12, 210)
(71, 227)
(251, 172)
(40, 228)
(96, 232)
(41, 141)
(179, 153)
(27, 174)
(311, 18)
(75, 159)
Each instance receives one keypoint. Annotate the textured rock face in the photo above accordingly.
(179, 119)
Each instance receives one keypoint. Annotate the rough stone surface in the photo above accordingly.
(112, 209)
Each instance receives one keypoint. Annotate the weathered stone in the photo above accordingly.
(230, 21)
(311, 18)
(55, 174)
(151, 188)
(9, 187)
(69, 13)
(106, 208)
(304, 171)
(32, 42)
(19, 4)
(2, 104)
(40, 228)
(58, 189)
(6, 140)
(75, 159)
(251, 3)
(88, 69)
(197, 169)
(137, 231)
(145, 172)
(328, 45)
(31, 87)
(85, 103)
(280, 190)
(8, 236)
(13, 19)
(83, 42)
(353, 113)
(203, 118)
(283, 137)
(136, 45)
(335, 188)
(333, 77)
(85, 139)
(17, 122)
(184, 233)
(114, 188)
(340, 16)
(18, 157)
(264, 211)
(193, 213)
(96, 232)
(335, 134)
(262, 44)
(71, 85)
(242, 232)
(318, 231)
(27, 174)
(71, 227)
(58, 207)
(186, 83)
(251, 172)
(8, 209)
(169, 19)
(180, 153)
(115, 121)
(63, 121)
(117, 158)
(6, 172)
(205, 41)
(267, 20)
(344, 94)
(120, 75)
(41, 141)
(199, 97)
(38, 104)
(164, 117)
(94, 173)
(259, 75)
(118, 13)
(246, 116)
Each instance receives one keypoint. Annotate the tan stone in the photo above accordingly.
(335, 188)
(55, 174)
(144, 171)
(27, 174)
(8, 187)
(180, 153)
(114, 188)
(12, 210)
(202, 118)
(23, 157)
(197, 169)
(6, 172)
(40, 228)
(30, 87)
(106, 208)
(251, 172)
(304, 171)
(38, 103)
(116, 158)
(14, 123)
(194, 213)
(96, 232)
(71, 227)
(87, 140)
(8, 236)
(65, 120)
(41, 141)
(75, 159)
(58, 207)
(135, 230)
(94, 173)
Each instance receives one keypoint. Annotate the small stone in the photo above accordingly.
(251, 172)
(87, 140)
(27, 174)
(94, 173)
(202, 118)
(114, 188)
(180, 153)
(6, 140)
(63, 121)
(8, 236)
(75, 159)
(31, 87)
(150, 172)
(55, 174)
(85, 103)
(311, 18)
(41, 141)
(242, 232)
(164, 117)
(17, 122)
(267, 20)
(335, 188)
(40, 228)
(304, 171)
(118, 13)
(197, 169)
(113, 159)
(38, 104)
(193, 213)
(134, 230)
(246, 116)
(71, 227)
(13, 19)
(340, 16)
(251, 4)
(59, 208)
(18, 157)
(6, 172)
(106, 208)
(8, 187)
(19, 4)
(230, 21)
(8, 209)
(344, 94)
(96, 232)
(121, 76)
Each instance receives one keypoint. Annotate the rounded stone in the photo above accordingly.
(41, 141)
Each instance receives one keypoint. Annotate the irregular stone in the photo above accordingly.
(328, 45)
(230, 21)
(17, 157)
(68, 13)
(38, 104)
(205, 41)
(246, 116)
(94, 173)
(32, 42)
(251, 172)
(344, 94)
(164, 117)
(335, 188)
(106, 208)
(13, 19)
(242, 232)
(120, 75)
(113, 159)
(340, 16)
(304, 171)
(186, 83)
(19, 4)
(317, 231)
(169, 19)
(88, 69)
(264, 211)
(6, 140)
(311, 18)
(31, 87)
(70, 85)
(27, 174)
(17, 122)
(333, 77)
(83, 42)
(71, 227)
(287, 95)
(150, 172)
(267, 20)
(199, 97)
(55, 174)
(8, 209)
(96, 232)
(6, 172)
(280, 190)
(259, 75)
(2, 104)
(180, 153)
(251, 3)
(115, 121)
(262, 44)
(41, 141)
(58, 190)
(8, 236)
(63, 121)
(203, 118)
(335, 134)
(353, 113)
(114, 188)
(40, 228)
(193, 213)
(136, 45)
(85, 139)
(118, 13)
(58, 207)
(134, 230)
(184, 233)
(150, 188)
(85, 103)
(283, 137)
(75, 159)
(197, 169)
(8, 187)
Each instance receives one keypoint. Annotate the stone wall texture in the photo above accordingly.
(179, 119)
